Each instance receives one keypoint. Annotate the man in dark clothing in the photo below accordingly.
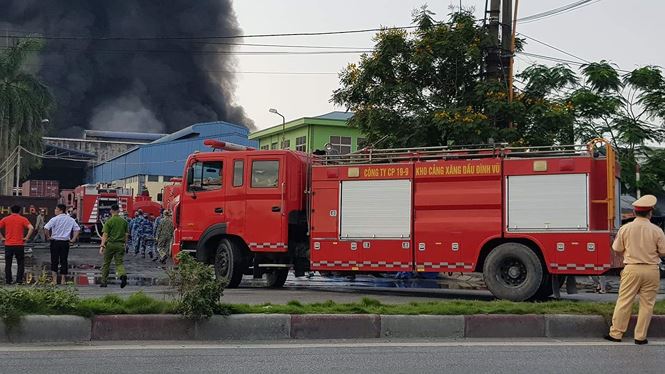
(14, 226)
(114, 236)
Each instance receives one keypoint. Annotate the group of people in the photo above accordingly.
(61, 231)
(150, 235)
(119, 234)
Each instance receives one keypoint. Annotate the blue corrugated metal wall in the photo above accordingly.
(168, 158)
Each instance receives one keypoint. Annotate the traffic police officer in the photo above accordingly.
(642, 243)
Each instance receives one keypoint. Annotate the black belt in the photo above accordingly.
(642, 263)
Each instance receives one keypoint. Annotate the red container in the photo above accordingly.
(41, 188)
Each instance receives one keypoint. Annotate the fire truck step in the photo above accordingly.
(275, 265)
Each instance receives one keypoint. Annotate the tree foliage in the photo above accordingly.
(427, 88)
(24, 103)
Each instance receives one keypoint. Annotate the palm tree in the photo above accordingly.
(24, 103)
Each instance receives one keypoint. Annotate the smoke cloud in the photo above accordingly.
(155, 85)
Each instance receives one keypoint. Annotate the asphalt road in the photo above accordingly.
(542, 356)
(151, 278)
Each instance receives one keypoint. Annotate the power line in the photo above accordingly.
(555, 48)
(557, 11)
(550, 58)
(317, 33)
(201, 52)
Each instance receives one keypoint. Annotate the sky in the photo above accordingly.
(627, 33)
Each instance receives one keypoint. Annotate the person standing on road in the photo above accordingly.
(642, 244)
(148, 237)
(135, 231)
(114, 237)
(157, 221)
(62, 230)
(14, 226)
(39, 227)
(165, 236)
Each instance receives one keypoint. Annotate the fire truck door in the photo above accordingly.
(265, 210)
(203, 203)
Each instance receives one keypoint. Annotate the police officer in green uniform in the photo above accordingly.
(114, 236)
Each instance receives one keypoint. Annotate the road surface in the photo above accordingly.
(539, 356)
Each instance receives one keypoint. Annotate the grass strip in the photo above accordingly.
(22, 301)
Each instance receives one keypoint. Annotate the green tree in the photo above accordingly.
(24, 102)
(426, 88)
(629, 110)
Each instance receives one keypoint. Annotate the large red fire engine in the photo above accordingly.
(92, 204)
(518, 215)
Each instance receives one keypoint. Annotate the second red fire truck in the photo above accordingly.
(518, 215)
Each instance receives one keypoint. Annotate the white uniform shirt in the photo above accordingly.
(61, 227)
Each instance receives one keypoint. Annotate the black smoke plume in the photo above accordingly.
(147, 77)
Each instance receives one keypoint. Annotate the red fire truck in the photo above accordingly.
(518, 215)
(92, 205)
(171, 194)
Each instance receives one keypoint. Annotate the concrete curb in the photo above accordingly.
(335, 326)
(39, 329)
(506, 325)
(564, 326)
(245, 326)
(422, 326)
(142, 327)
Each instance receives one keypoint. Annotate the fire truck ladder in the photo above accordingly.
(611, 162)
(373, 156)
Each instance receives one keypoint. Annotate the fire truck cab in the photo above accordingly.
(243, 209)
(519, 215)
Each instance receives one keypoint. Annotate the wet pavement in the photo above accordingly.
(151, 278)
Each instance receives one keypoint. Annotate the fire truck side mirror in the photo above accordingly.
(190, 176)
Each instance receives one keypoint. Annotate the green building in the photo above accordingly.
(311, 133)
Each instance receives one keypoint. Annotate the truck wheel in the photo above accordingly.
(228, 263)
(277, 278)
(512, 271)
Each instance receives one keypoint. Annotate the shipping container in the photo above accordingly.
(41, 188)
(30, 206)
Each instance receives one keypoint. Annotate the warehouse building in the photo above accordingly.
(150, 166)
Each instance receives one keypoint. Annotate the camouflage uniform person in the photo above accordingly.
(135, 231)
(147, 235)
(128, 242)
(165, 236)
(157, 221)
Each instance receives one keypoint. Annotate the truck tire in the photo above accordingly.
(229, 263)
(512, 271)
(277, 278)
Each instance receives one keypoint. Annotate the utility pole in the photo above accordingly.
(506, 35)
(18, 164)
(511, 70)
(493, 61)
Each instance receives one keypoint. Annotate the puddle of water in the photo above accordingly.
(83, 274)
